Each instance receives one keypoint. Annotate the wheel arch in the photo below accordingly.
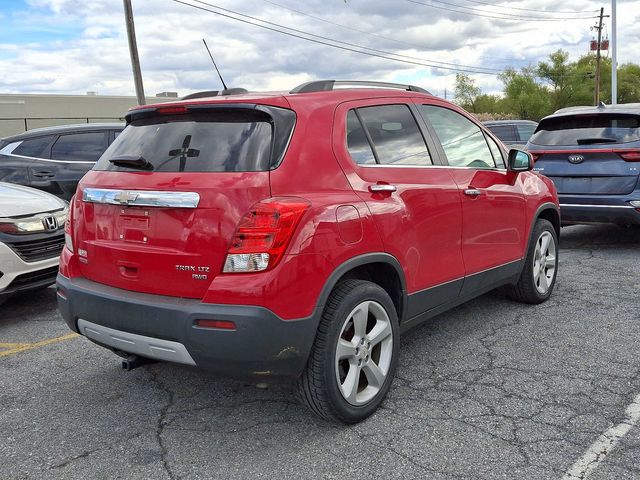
(380, 268)
(548, 211)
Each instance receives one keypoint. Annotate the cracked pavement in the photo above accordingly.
(492, 389)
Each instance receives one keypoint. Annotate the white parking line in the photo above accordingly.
(605, 444)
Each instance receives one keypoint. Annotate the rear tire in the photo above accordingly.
(540, 270)
(354, 357)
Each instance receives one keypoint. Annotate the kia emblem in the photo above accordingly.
(575, 158)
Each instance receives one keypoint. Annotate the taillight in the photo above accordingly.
(68, 227)
(263, 234)
(630, 156)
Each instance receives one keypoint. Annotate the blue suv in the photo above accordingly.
(592, 154)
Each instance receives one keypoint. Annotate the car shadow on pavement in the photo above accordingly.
(599, 236)
(456, 337)
(29, 304)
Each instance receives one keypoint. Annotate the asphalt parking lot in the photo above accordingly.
(492, 389)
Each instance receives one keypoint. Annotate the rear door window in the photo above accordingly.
(591, 129)
(394, 134)
(357, 142)
(463, 141)
(34, 147)
(79, 147)
(229, 140)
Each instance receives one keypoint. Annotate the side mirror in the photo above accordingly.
(519, 161)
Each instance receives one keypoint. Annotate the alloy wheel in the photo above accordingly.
(544, 262)
(364, 352)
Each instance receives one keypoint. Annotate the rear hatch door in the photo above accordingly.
(594, 154)
(159, 210)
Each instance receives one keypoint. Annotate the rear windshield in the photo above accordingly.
(221, 140)
(588, 129)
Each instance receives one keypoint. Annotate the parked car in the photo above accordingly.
(297, 234)
(31, 238)
(513, 133)
(592, 154)
(54, 159)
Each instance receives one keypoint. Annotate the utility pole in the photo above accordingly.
(614, 56)
(133, 51)
(599, 28)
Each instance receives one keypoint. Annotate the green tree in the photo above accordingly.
(558, 73)
(629, 83)
(466, 92)
(583, 80)
(523, 96)
(489, 104)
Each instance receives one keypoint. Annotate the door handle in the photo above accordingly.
(472, 192)
(43, 174)
(378, 187)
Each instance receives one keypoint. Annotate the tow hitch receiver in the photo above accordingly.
(134, 361)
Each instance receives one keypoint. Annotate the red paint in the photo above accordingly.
(435, 232)
(349, 223)
(493, 223)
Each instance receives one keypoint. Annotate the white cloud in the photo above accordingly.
(173, 57)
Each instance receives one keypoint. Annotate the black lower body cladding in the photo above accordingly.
(262, 345)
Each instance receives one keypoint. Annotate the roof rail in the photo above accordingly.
(215, 93)
(328, 85)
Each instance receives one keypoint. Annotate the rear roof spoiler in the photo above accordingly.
(137, 113)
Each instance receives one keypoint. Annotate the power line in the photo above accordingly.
(340, 44)
(524, 9)
(506, 16)
(400, 42)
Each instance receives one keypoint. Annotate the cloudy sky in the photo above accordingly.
(75, 46)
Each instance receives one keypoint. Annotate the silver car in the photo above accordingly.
(31, 238)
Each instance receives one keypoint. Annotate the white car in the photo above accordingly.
(31, 238)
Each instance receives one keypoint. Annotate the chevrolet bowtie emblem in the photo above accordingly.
(125, 198)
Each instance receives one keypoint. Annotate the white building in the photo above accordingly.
(20, 112)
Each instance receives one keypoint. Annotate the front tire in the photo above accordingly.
(541, 266)
(354, 357)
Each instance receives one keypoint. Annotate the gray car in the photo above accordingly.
(513, 133)
(54, 159)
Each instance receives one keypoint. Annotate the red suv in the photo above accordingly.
(298, 234)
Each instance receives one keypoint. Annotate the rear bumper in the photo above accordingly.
(579, 209)
(163, 328)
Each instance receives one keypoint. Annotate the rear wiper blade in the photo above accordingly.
(132, 161)
(587, 141)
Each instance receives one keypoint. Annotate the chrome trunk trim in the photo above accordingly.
(141, 198)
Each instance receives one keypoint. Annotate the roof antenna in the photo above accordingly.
(214, 64)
